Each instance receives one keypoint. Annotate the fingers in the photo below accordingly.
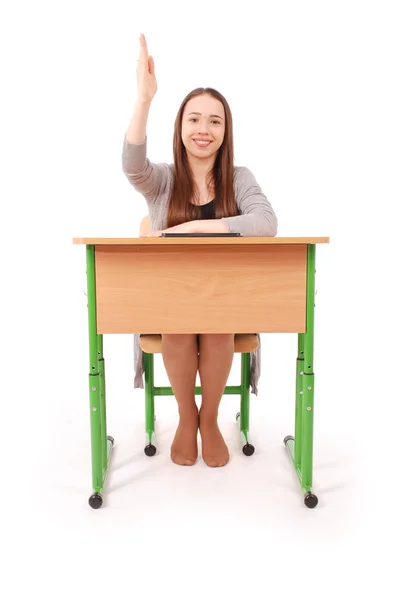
(143, 48)
(151, 65)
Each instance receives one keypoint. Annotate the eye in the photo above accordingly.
(193, 119)
(216, 122)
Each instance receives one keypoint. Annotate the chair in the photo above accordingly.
(152, 344)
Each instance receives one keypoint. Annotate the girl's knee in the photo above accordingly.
(179, 339)
(217, 339)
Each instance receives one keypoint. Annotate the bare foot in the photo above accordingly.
(214, 449)
(184, 449)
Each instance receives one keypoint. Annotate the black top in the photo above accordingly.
(207, 210)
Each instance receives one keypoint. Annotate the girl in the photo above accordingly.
(201, 192)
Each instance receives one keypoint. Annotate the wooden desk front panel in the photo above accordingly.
(201, 289)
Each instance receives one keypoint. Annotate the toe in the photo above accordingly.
(216, 462)
(179, 460)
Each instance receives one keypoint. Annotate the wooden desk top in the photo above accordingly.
(200, 241)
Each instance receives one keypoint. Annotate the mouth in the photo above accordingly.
(202, 143)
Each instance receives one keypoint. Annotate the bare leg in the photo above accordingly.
(216, 353)
(180, 357)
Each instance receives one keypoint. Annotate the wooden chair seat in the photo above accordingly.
(243, 342)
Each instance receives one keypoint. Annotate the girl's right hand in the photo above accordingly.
(145, 73)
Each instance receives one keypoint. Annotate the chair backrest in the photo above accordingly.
(145, 226)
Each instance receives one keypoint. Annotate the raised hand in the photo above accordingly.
(145, 73)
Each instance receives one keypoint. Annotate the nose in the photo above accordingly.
(203, 126)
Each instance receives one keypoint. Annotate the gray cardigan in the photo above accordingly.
(154, 182)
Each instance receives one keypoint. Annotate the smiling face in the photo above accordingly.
(203, 127)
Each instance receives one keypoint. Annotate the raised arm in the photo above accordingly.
(147, 178)
(146, 90)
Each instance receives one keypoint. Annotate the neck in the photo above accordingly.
(201, 166)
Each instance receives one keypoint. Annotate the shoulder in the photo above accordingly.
(243, 174)
(167, 171)
(243, 178)
(247, 190)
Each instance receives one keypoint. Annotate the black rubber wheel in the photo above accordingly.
(288, 437)
(310, 500)
(248, 449)
(95, 501)
(150, 450)
(111, 439)
(237, 416)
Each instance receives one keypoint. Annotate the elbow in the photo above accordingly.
(270, 226)
(274, 227)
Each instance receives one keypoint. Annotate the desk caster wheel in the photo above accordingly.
(95, 501)
(248, 449)
(111, 439)
(150, 450)
(310, 500)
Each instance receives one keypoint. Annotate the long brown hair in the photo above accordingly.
(180, 209)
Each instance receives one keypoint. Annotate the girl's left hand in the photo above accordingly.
(182, 228)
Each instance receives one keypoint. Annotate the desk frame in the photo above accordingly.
(299, 446)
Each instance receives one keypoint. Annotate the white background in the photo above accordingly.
(314, 88)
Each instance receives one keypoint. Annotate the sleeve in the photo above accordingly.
(257, 218)
(147, 178)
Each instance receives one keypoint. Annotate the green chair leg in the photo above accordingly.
(150, 448)
(243, 416)
(151, 391)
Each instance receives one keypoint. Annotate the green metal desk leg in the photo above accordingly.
(300, 448)
(107, 440)
(101, 445)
